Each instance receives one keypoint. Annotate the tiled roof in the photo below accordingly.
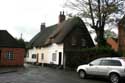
(6, 40)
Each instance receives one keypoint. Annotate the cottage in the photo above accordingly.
(121, 32)
(51, 44)
(11, 51)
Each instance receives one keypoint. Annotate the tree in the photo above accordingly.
(110, 34)
(101, 13)
(21, 42)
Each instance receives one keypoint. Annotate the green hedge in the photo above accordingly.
(83, 56)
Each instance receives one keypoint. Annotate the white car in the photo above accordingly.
(112, 67)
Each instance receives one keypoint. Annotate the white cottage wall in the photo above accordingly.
(47, 55)
(43, 58)
(29, 55)
(53, 53)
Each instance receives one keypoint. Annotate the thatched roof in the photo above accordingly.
(40, 39)
(57, 33)
(64, 28)
(6, 40)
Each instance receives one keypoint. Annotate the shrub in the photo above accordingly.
(83, 56)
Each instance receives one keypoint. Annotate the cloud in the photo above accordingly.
(25, 16)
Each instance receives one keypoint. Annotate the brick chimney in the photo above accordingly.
(42, 27)
(61, 17)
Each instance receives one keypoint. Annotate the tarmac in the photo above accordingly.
(9, 69)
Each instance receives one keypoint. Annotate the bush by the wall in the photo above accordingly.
(83, 56)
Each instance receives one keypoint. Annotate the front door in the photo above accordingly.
(0, 56)
(60, 58)
(37, 58)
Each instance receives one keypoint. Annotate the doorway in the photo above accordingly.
(0, 56)
(37, 58)
(60, 58)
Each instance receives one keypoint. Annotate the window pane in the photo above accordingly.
(9, 55)
(116, 63)
(34, 56)
(105, 62)
(42, 56)
(83, 42)
(95, 62)
(54, 57)
(74, 42)
(111, 63)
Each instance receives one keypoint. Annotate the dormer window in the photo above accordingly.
(83, 42)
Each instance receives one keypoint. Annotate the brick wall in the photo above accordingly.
(112, 43)
(18, 57)
(121, 38)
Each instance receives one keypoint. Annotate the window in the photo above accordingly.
(74, 41)
(96, 62)
(54, 57)
(9, 55)
(42, 56)
(33, 56)
(110, 63)
(116, 63)
(105, 62)
(83, 42)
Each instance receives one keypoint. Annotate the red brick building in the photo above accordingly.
(121, 32)
(113, 43)
(12, 51)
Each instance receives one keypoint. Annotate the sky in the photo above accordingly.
(25, 16)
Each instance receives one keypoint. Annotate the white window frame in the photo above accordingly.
(9, 55)
(54, 56)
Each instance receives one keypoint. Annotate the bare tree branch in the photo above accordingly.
(91, 11)
(100, 12)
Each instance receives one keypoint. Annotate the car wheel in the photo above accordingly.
(114, 78)
(82, 74)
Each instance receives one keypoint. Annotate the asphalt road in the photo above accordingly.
(37, 74)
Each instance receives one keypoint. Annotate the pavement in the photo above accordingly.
(10, 69)
(4, 70)
(39, 74)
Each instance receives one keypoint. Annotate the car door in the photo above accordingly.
(104, 67)
(92, 68)
(108, 65)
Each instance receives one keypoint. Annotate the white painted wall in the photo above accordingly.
(48, 53)
(29, 55)
(55, 48)
(44, 51)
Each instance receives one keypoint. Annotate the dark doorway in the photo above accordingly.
(60, 58)
(37, 58)
(0, 56)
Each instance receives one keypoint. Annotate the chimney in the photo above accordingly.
(61, 17)
(43, 26)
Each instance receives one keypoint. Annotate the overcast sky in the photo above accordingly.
(25, 16)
